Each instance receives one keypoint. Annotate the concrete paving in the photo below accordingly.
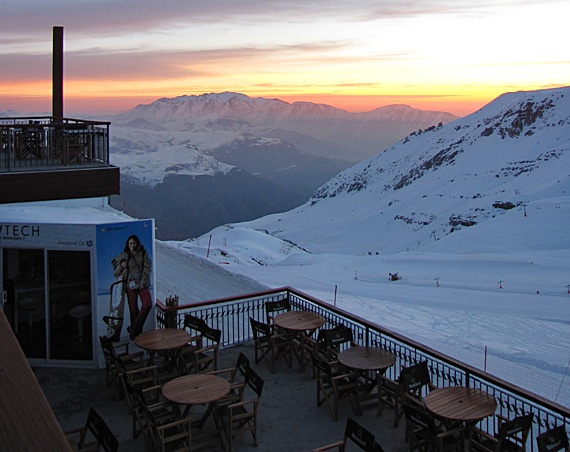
(289, 419)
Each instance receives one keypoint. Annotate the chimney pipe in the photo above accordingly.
(57, 75)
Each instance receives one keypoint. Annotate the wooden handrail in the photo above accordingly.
(27, 421)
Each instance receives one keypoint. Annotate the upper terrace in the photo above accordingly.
(45, 158)
(51, 157)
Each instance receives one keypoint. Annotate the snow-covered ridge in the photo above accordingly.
(448, 177)
(350, 136)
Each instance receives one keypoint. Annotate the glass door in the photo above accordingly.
(48, 302)
(70, 309)
(24, 283)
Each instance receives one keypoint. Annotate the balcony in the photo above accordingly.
(289, 418)
(232, 315)
(42, 160)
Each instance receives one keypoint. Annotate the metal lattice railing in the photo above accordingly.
(39, 142)
(231, 316)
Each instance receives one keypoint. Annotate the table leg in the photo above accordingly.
(300, 353)
(151, 355)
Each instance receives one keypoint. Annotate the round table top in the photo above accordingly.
(196, 389)
(460, 403)
(367, 358)
(162, 339)
(299, 320)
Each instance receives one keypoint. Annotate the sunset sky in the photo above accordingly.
(448, 55)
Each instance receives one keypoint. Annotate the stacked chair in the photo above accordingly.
(153, 416)
(117, 361)
(358, 435)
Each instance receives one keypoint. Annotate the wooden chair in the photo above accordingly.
(553, 440)
(424, 433)
(175, 436)
(194, 324)
(512, 435)
(319, 347)
(270, 346)
(388, 393)
(118, 360)
(356, 433)
(414, 382)
(98, 428)
(331, 341)
(241, 415)
(235, 377)
(204, 354)
(333, 385)
(337, 339)
(144, 390)
(186, 357)
(274, 308)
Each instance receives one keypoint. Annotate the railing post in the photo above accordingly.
(170, 318)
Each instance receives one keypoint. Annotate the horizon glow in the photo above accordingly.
(437, 56)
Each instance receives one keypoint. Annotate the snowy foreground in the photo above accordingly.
(515, 306)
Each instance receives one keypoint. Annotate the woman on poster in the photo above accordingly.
(133, 266)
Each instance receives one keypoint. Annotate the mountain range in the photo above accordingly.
(447, 183)
(196, 162)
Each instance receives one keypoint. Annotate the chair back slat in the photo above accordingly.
(338, 337)
(194, 323)
(254, 381)
(516, 429)
(273, 308)
(100, 430)
(413, 378)
(554, 440)
(260, 328)
(242, 364)
(359, 435)
(212, 334)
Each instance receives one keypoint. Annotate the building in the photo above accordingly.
(58, 233)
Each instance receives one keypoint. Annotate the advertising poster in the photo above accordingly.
(111, 240)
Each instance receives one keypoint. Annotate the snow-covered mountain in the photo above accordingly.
(191, 144)
(473, 216)
(478, 173)
(343, 135)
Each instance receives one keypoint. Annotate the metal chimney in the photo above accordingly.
(57, 75)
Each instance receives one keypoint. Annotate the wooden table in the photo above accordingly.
(367, 358)
(368, 361)
(458, 403)
(302, 324)
(196, 389)
(163, 340)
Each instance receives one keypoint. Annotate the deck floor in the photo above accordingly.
(289, 419)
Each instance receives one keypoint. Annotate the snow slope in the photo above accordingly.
(473, 215)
